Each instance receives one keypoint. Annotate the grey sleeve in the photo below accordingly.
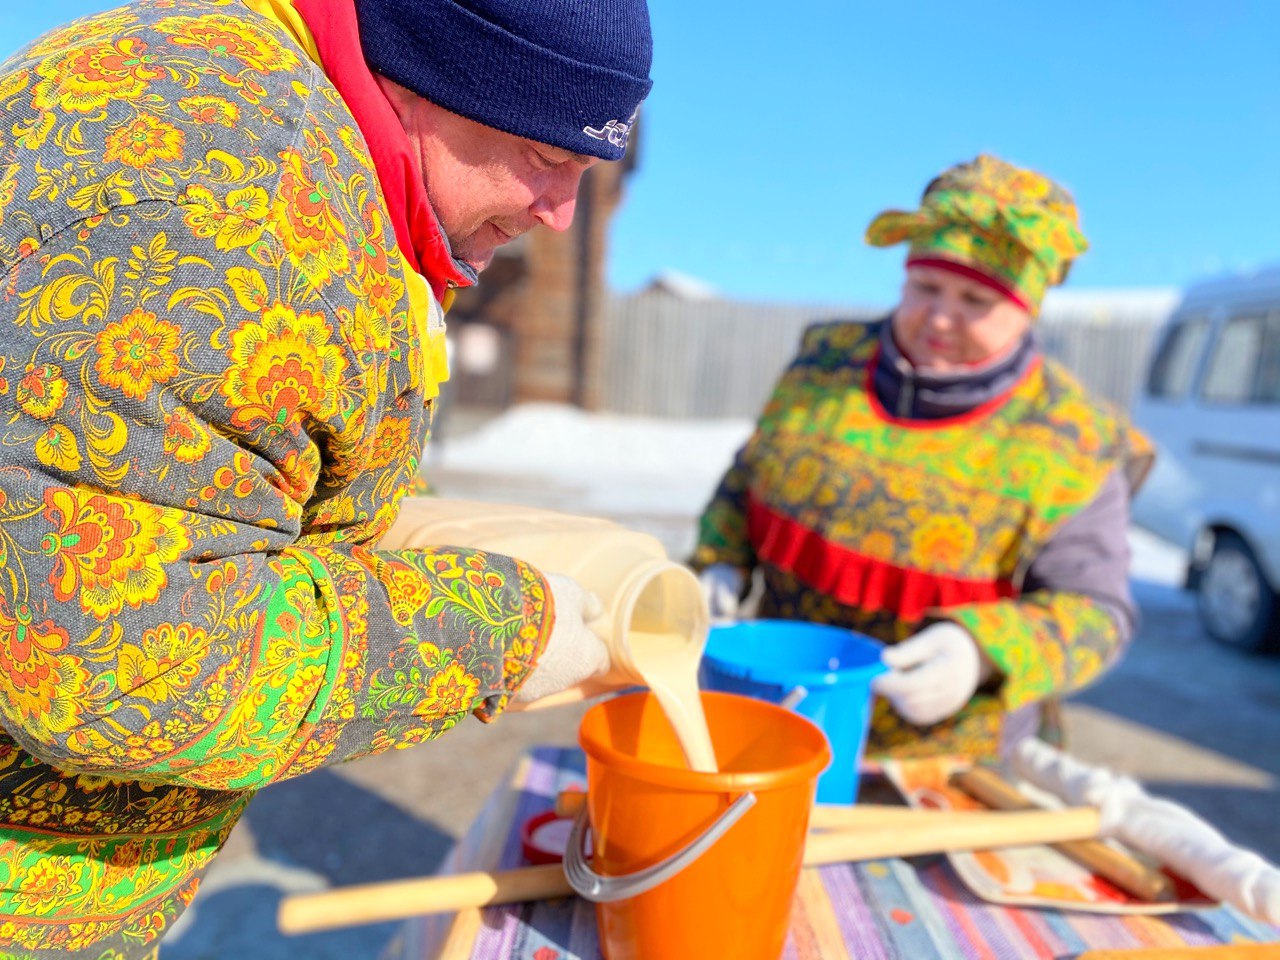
(1089, 555)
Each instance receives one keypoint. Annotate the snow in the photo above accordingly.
(1155, 560)
(626, 465)
(683, 286)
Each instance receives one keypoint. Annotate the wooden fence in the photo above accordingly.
(667, 355)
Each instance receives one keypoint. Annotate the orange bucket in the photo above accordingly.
(689, 864)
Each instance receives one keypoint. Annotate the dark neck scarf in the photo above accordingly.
(915, 394)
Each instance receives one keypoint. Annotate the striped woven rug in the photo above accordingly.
(880, 910)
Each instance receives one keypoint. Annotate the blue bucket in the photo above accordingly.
(827, 669)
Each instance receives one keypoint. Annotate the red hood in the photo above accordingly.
(422, 242)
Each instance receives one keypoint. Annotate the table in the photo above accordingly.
(878, 910)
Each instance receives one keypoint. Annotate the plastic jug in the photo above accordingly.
(647, 596)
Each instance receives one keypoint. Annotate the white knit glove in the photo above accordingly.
(933, 674)
(722, 585)
(574, 653)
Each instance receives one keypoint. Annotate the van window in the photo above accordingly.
(1233, 370)
(1175, 364)
(1269, 366)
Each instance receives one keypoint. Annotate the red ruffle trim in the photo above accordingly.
(857, 580)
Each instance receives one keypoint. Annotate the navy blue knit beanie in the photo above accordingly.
(571, 73)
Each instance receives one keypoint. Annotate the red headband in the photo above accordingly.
(973, 274)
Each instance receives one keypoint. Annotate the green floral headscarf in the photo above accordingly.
(1015, 226)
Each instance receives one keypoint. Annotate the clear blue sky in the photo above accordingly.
(777, 129)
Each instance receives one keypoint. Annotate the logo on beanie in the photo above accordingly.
(616, 132)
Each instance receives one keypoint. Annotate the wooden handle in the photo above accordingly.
(823, 817)
(937, 833)
(1136, 879)
(1238, 951)
(949, 833)
(400, 899)
(861, 816)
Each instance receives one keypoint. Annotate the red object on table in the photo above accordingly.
(535, 848)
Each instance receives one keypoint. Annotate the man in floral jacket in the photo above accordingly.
(228, 230)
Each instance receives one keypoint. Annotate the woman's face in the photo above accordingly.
(946, 322)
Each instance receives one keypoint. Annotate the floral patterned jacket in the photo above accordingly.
(880, 524)
(217, 377)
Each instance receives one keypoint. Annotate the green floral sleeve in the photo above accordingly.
(722, 529)
(1045, 643)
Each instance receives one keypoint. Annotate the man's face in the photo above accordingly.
(487, 187)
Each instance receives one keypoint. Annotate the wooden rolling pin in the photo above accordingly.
(1236, 951)
(861, 816)
(1136, 879)
(932, 833)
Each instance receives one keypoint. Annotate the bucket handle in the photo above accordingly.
(795, 696)
(601, 889)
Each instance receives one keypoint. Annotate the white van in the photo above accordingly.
(1211, 403)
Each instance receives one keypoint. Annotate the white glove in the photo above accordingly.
(722, 586)
(1160, 828)
(933, 674)
(574, 653)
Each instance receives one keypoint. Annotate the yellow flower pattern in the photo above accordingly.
(217, 393)
(210, 109)
(137, 353)
(282, 365)
(42, 390)
(144, 141)
(58, 448)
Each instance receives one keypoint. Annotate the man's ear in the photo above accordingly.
(403, 101)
